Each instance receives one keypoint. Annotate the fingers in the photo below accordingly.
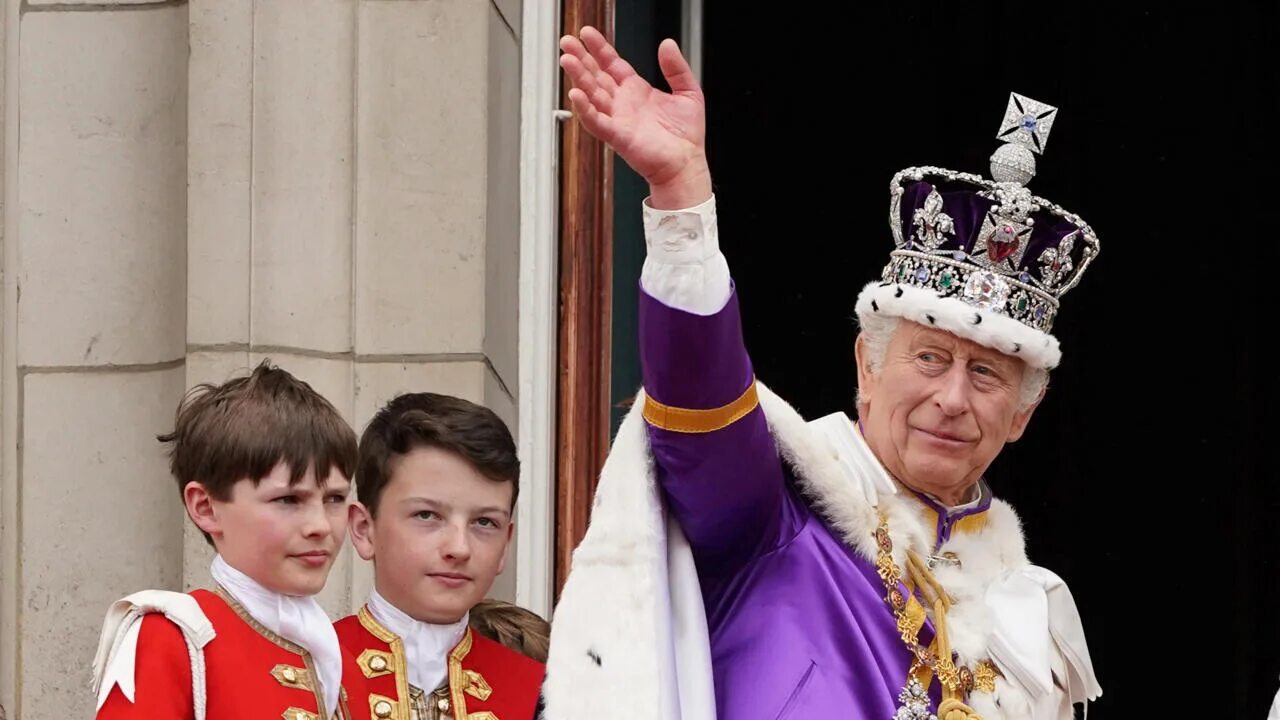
(605, 56)
(583, 68)
(586, 82)
(676, 69)
(596, 122)
(602, 78)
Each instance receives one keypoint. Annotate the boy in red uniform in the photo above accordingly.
(264, 465)
(437, 482)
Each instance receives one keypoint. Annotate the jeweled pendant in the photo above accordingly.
(914, 702)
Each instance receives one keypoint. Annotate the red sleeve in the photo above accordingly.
(162, 677)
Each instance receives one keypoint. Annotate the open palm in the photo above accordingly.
(658, 134)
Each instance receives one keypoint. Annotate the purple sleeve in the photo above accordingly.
(718, 466)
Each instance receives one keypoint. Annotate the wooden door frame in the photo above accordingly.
(586, 297)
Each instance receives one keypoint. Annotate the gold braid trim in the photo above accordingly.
(936, 661)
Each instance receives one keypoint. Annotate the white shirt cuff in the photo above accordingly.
(684, 267)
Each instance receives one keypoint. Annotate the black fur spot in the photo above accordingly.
(885, 284)
(898, 294)
(874, 306)
(977, 319)
(931, 320)
(595, 658)
(1017, 347)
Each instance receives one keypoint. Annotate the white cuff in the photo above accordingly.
(684, 268)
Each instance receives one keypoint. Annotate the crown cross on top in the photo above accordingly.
(1027, 122)
(1018, 255)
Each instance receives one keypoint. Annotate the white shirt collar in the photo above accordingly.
(426, 645)
(977, 492)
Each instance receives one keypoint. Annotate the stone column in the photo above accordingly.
(94, 330)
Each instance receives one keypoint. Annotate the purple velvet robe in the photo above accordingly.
(798, 622)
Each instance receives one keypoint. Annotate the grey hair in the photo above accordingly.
(878, 330)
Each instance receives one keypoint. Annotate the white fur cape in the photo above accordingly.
(629, 635)
(985, 327)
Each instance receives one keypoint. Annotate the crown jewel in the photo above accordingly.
(991, 243)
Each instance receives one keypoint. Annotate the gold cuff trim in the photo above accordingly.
(683, 420)
(294, 713)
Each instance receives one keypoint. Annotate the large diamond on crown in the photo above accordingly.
(986, 290)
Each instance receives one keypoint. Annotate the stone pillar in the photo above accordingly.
(94, 331)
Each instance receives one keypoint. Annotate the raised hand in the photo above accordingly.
(662, 136)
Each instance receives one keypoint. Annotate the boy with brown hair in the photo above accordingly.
(263, 464)
(437, 482)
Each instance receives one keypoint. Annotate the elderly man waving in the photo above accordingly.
(742, 563)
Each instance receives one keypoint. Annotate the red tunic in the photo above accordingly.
(487, 680)
(250, 673)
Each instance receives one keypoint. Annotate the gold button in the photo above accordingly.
(382, 709)
(378, 663)
(290, 675)
(443, 704)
